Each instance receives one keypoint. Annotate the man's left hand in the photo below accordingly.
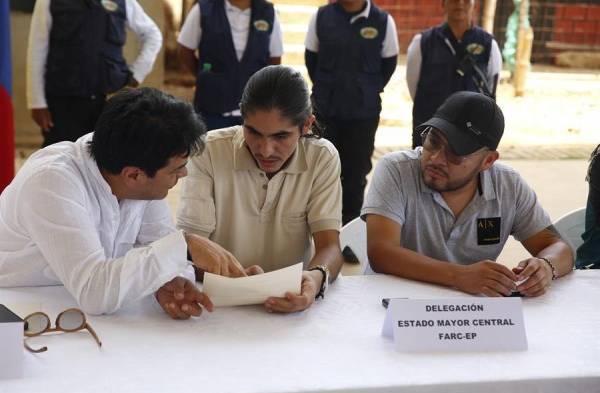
(311, 282)
(537, 275)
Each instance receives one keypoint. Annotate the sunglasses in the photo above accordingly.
(68, 321)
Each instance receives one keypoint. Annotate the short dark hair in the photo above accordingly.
(144, 128)
(282, 88)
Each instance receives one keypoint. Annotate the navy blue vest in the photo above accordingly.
(85, 55)
(439, 77)
(348, 79)
(221, 77)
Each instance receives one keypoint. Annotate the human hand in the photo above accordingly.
(43, 118)
(254, 270)
(486, 277)
(537, 275)
(212, 258)
(291, 302)
(181, 299)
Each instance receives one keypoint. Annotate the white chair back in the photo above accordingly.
(571, 226)
(354, 235)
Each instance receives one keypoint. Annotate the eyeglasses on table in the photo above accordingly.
(69, 321)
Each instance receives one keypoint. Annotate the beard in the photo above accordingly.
(441, 185)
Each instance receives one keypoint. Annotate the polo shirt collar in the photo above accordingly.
(243, 160)
(231, 8)
(363, 14)
(487, 185)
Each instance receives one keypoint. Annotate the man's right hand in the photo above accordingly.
(212, 258)
(43, 118)
(181, 299)
(487, 278)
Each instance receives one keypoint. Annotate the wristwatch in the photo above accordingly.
(325, 283)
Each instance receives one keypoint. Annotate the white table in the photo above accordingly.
(335, 347)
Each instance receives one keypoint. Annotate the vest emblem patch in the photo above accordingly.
(109, 5)
(369, 33)
(475, 49)
(261, 25)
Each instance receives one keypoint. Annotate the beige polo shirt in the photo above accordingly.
(268, 222)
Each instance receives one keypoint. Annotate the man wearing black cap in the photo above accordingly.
(441, 213)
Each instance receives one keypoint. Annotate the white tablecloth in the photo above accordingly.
(335, 346)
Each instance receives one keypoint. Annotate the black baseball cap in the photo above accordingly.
(469, 121)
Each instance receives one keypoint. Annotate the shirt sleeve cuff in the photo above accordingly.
(381, 212)
(325, 225)
(171, 255)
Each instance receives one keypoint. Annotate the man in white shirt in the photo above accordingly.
(234, 39)
(451, 57)
(75, 58)
(91, 215)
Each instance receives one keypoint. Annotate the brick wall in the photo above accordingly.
(414, 16)
(577, 24)
(557, 22)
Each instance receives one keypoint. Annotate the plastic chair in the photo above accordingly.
(354, 235)
(571, 226)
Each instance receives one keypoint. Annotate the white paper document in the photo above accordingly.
(227, 291)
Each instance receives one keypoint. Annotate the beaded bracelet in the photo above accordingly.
(554, 276)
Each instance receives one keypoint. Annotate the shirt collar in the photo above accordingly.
(231, 8)
(487, 185)
(243, 160)
(92, 166)
(363, 14)
(424, 187)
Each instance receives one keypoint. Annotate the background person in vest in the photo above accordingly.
(75, 58)
(451, 57)
(351, 54)
(234, 39)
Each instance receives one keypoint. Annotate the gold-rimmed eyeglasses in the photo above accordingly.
(68, 321)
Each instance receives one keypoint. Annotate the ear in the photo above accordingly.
(308, 124)
(489, 160)
(131, 175)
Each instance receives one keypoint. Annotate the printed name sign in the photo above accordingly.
(456, 325)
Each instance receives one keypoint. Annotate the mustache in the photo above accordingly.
(437, 168)
(259, 157)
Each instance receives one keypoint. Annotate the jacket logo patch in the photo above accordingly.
(261, 25)
(369, 33)
(475, 49)
(109, 5)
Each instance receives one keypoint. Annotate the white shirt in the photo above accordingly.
(390, 42)
(39, 34)
(61, 224)
(239, 20)
(414, 59)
